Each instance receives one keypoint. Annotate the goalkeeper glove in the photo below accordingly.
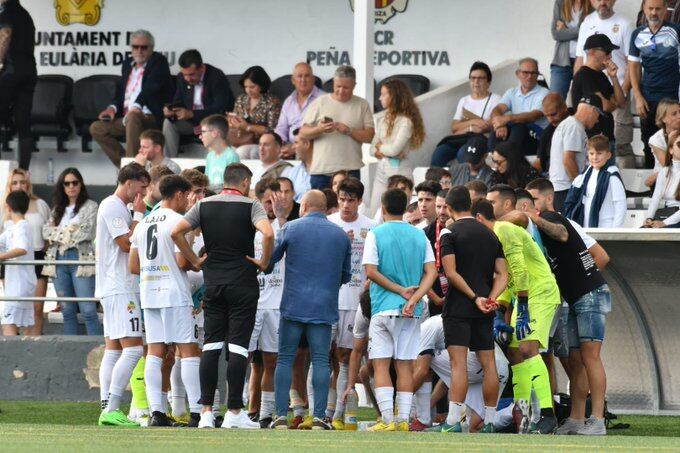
(522, 328)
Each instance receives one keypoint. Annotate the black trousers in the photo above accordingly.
(16, 99)
(520, 134)
(647, 129)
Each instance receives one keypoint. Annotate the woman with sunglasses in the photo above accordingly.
(70, 232)
(667, 189)
(37, 215)
(511, 167)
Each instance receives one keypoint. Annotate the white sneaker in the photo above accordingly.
(132, 414)
(239, 420)
(593, 427)
(570, 425)
(207, 420)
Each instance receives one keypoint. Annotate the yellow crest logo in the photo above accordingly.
(86, 12)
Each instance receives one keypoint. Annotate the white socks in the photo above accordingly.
(310, 392)
(267, 405)
(330, 406)
(153, 378)
(422, 398)
(177, 390)
(343, 374)
(192, 383)
(535, 407)
(384, 396)
(404, 400)
(105, 370)
(455, 413)
(490, 415)
(121, 374)
(297, 403)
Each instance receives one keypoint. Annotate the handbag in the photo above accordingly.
(664, 213)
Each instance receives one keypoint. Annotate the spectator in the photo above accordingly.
(478, 189)
(440, 176)
(305, 308)
(395, 182)
(667, 120)
(295, 106)
(555, 110)
(427, 192)
(255, 112)
(202, 90)
(153, 196)
(17, 73)
(399, 131)
(474, 165)
(270, 156)
(471, 117)
(412, 215)
(137, 105)
(667, 188)
(597, 198)
(567, 18)
(510, 166)
(331, 201)
(654, 47)
(38, 215)
(567, 155)
(284, 201)
(339, 123)
(518, 117)
(214, 130)
(337, 178)
(70, 235)
(604, 21)
(299, 174)
(151, 153)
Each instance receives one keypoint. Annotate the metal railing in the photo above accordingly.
(47, 263)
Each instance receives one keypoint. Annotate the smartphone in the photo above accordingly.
(327, 119)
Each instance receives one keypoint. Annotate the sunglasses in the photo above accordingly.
(498, 162)
(71, 183)
(139, 47)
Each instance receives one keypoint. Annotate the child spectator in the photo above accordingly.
(440, 175)
(214, 131)
(597, 198)
(20, 281)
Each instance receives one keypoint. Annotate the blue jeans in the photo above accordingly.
(443, 154)
(319, 339)
(68, 285)
(587, 317)
(560, 79)
(320, 182)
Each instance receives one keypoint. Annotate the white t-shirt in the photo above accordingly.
(432, 334)
(613, 209)
(271, 285)
(195, 278)
(585, 237)
(68, 217)
(19, 280)
(361, 323)
(477, 106)
(35, 220)
(348, 298)
(617, 28)
(112, 275)
(162, 283)
(658, 140)
(569, 135)
(575, 18)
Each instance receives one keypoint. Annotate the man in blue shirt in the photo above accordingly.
(299, 174)
(518, 117)
(318, 261)
(653, 63)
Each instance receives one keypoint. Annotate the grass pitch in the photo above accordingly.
(52, 426)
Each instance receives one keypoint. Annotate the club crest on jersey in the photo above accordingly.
(385, 9)
(131, 307)
(118, 222)
(86, 12)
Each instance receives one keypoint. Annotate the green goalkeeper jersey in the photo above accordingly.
(528, 269)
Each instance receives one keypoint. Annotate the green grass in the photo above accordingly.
(56, 426)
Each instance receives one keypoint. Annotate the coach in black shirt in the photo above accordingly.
(17, 73)
(228, 221)
(471, 255)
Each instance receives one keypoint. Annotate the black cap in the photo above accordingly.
(593, 100)
(599, 41)
(296, 131)
(475, 148)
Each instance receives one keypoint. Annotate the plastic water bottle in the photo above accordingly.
(50, 171)
(351, 410)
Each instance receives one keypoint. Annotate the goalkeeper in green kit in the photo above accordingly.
(537, 296)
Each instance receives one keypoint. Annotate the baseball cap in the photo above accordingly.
(475, 148)
(593, 100)
(599, 41)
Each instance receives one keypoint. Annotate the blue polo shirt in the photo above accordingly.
(658, 54)
(519, 102)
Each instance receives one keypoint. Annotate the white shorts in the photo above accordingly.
(360, 328)
(199, 319)
(265, 335)
(343, 332)
(170, 325)
(393, 337)
(122, 316)
(18, 313)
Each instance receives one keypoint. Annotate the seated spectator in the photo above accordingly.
(295, 106)
(667, 120)
(337, 178)
(471, 117)
(137, 105)
(590, 79)
(511, 167)
(339, 123)
(255, 112)
(151, 152)
(395, 182)
(667, 188)
(270, 156)
(568, 150)
(284, 204)
(202, 90)
(567, 18)
(555, 110)
(597, 198)
(478, 189)
(331, 201)
(518, 117)
(439, 175)
(214, 129)
(474, 165)
(399, 131)
(412, 216)
(153, 197)
(299, 174)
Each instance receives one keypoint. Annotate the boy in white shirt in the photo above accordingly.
(20, 280)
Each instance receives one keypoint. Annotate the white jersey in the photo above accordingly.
(271, 285)
(432, 334)
(20, 280)
(195, 278)
(350, 293)
(112, 275)
(162, 283)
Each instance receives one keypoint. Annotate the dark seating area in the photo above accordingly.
(90, 96)
(52, 103)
